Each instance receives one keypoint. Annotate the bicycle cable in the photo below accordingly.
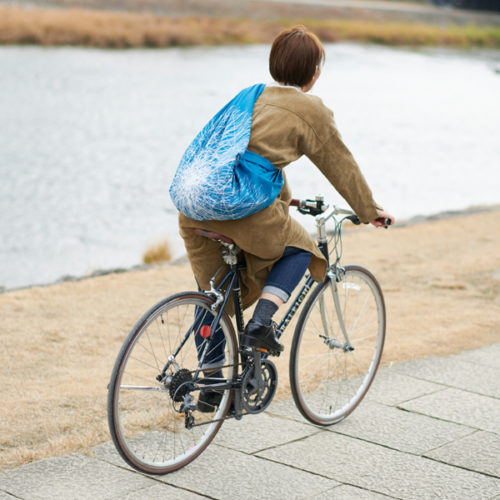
(336, 239)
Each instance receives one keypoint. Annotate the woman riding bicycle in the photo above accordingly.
(284, 123)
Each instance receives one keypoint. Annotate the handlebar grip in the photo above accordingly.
(354, 219)
(294, 202)
(385, 221)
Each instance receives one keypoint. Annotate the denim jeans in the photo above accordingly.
(287, 272)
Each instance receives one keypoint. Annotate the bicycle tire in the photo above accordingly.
(146, 429)
(328, 380)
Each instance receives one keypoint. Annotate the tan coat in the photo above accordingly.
(286, 124)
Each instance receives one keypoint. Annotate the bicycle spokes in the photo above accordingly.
(157, 425)
(337, 346)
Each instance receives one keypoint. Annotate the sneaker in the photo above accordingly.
(261, 336)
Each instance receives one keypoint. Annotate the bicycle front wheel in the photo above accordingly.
(160, 372)
(337, 346)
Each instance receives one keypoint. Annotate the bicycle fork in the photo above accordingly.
(330, 341)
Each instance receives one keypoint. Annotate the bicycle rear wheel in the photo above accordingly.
(145, 414)
(337, 346)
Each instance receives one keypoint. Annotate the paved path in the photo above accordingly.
(427, 429)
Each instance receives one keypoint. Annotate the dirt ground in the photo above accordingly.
(441, 281)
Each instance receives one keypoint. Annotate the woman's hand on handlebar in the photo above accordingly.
(384, 219)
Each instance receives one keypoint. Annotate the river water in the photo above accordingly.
(90, 139)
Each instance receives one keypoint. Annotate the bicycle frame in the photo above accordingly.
(231, 283)
(334, 274)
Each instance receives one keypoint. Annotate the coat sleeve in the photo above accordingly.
(329, 153)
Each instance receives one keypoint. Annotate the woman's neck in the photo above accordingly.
(284, 85)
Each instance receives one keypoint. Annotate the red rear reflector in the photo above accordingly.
(205, 331)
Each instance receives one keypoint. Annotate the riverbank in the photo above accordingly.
(442, 288)
(100, 28)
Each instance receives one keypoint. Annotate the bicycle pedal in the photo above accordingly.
(268, 351)
(274, 353)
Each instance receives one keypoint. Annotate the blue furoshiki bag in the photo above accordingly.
(218, 178)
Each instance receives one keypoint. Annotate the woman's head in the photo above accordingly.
(296, 57)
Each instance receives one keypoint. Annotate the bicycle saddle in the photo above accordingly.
(213, 235)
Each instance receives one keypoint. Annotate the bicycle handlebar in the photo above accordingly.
(309, 207)
(318, 206)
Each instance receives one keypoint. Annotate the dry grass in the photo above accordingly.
(442, 289)
(159, 252)
(121, 30)
(94, 28)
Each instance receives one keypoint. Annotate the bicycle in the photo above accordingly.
(180, 372)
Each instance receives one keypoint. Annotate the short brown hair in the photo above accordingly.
(295, 54)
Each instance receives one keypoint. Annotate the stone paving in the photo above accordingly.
(427, 429)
